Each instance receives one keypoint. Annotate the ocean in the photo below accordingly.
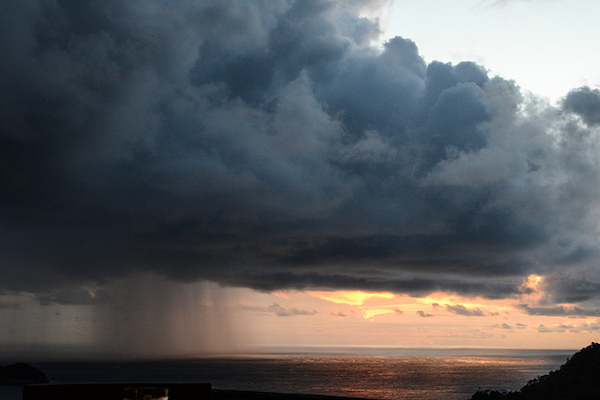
(375, 373)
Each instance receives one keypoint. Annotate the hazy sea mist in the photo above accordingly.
(379, 373)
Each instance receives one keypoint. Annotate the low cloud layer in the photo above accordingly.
(459, 309)
(272, 145)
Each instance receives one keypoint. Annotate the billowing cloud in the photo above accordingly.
(270, 145)
(584, 102)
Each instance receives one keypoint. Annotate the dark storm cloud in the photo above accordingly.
(78, 296)
(571, 289)
(9, 306)
(270, 145)
(584, 102)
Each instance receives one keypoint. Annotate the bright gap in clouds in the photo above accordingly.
(546, 47)
(353, 298)
(441, 319)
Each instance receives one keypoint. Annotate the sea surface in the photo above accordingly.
(375, 373)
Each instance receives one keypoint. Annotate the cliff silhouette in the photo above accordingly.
(577, 379)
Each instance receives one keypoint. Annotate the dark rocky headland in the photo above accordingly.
(21, 374)
(577, 379)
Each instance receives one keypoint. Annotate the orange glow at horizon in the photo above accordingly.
(442, 300)
(370, 313)
(353, 298)
(437, 319)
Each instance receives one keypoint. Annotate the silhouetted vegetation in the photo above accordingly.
(577, 379)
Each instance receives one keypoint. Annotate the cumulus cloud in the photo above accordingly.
(584, 102)
(268, 145)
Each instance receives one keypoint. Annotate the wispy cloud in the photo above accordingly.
(468, 312)
(500, 3)
(572, 328)
(282, 312)
(279, 310)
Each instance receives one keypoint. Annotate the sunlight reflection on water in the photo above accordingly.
(402, 377)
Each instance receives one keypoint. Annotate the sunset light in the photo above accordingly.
(195, 179)
(353, 298)
(373, 199)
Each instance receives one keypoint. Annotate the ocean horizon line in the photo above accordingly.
(385, 350)
(73, 353)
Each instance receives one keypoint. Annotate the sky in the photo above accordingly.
(188, 177)
(552, 39)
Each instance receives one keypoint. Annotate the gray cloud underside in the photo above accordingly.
(268, 145)
(559, 311)
(423, 314)
(280, 311)
(462, 310)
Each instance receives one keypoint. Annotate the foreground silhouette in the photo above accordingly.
(577, 379)
(21, 374)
